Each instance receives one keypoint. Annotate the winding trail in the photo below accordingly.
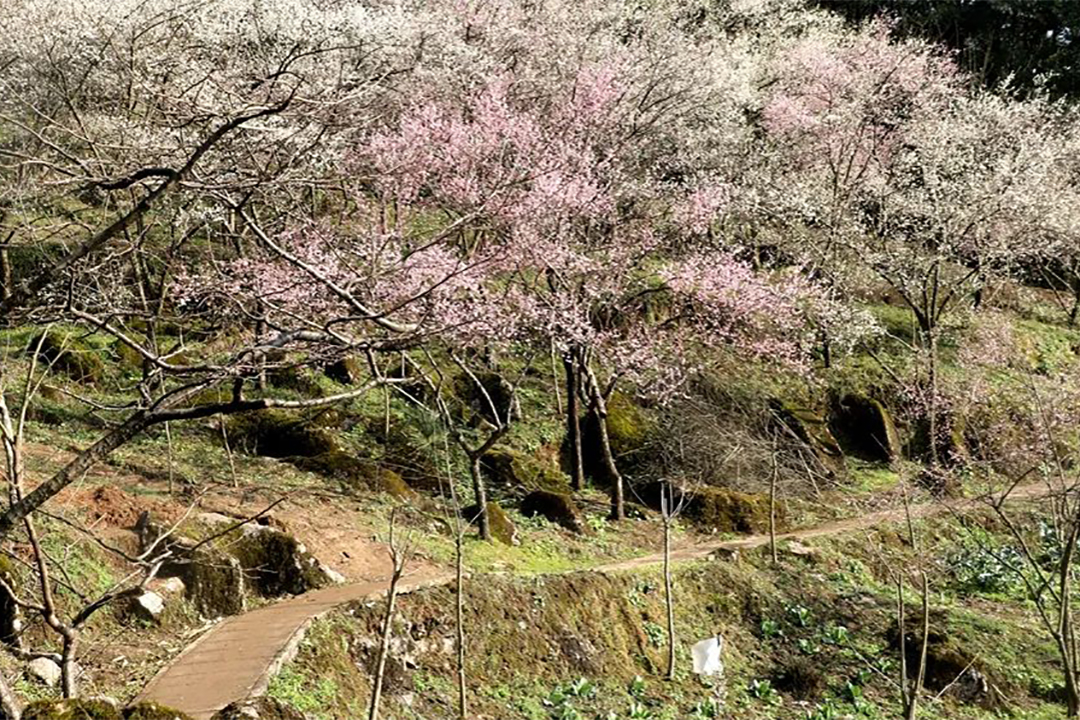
(237, 658)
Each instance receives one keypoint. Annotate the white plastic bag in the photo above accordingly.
(707, 656)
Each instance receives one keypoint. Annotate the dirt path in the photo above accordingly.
(237, 658)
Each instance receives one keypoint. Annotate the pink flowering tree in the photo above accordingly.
(889, 169)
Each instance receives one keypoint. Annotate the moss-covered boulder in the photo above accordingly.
(262, 708)
(278, 434)
(153, 711)
(213, 582)
(514, 469)
(275, 563)
(631, 431)
(70, 355)
(799, 423)
(487, 394)
(558, 508)
(75, 709)
(502, 527)
(864, 428)
(354, 473)
(725, 510)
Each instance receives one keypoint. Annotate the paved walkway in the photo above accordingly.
(236, 659)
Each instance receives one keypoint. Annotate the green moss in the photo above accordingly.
(71, 710)
(514, 469)
(556, 507)
(811, 427)
(726, 510)
(275, 563)
(631, 430)
(357, 474)
(215, 583)
(502, 527)
(69, 354)
(275, 433)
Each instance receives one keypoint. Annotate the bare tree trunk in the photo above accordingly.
(933, 419)
(6, 275)
(573, 423)
(618, 501)
(399, 559)
(920, 678)
(669, 598)
(901, 626)
(480, 495)
(463, 696)
(772, 507)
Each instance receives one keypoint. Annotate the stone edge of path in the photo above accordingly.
(292, 646)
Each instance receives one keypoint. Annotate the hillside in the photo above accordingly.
(436, 360)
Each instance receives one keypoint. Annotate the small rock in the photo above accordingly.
(44, 670)
(147, 606)
(796, 548)
(172, 586)
(335, 577)
(214, 518)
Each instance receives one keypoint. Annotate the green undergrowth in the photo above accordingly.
(812, 637)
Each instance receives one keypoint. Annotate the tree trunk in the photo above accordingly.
(920, 677)
(618, 501)
(573, 423)
(772, 509)
(480, 496)
(67, 666)
(669, 598)
(6, 276)
(463, 697)
(384, 646)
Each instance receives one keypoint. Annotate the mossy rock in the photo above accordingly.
(631, 431)
(278, 434)
(514, 469)
(70, 355)
(153, 711)
(409, 455)
(275, 563)
(346, 371)
(812, 428)
(355, 473)
(213, 582)
(262, 708)
(71, 710)
(298, 378)
(127, 358)
(727, 510)
(491, 385)
(502, 527)
(558, 508)
(864, 428)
